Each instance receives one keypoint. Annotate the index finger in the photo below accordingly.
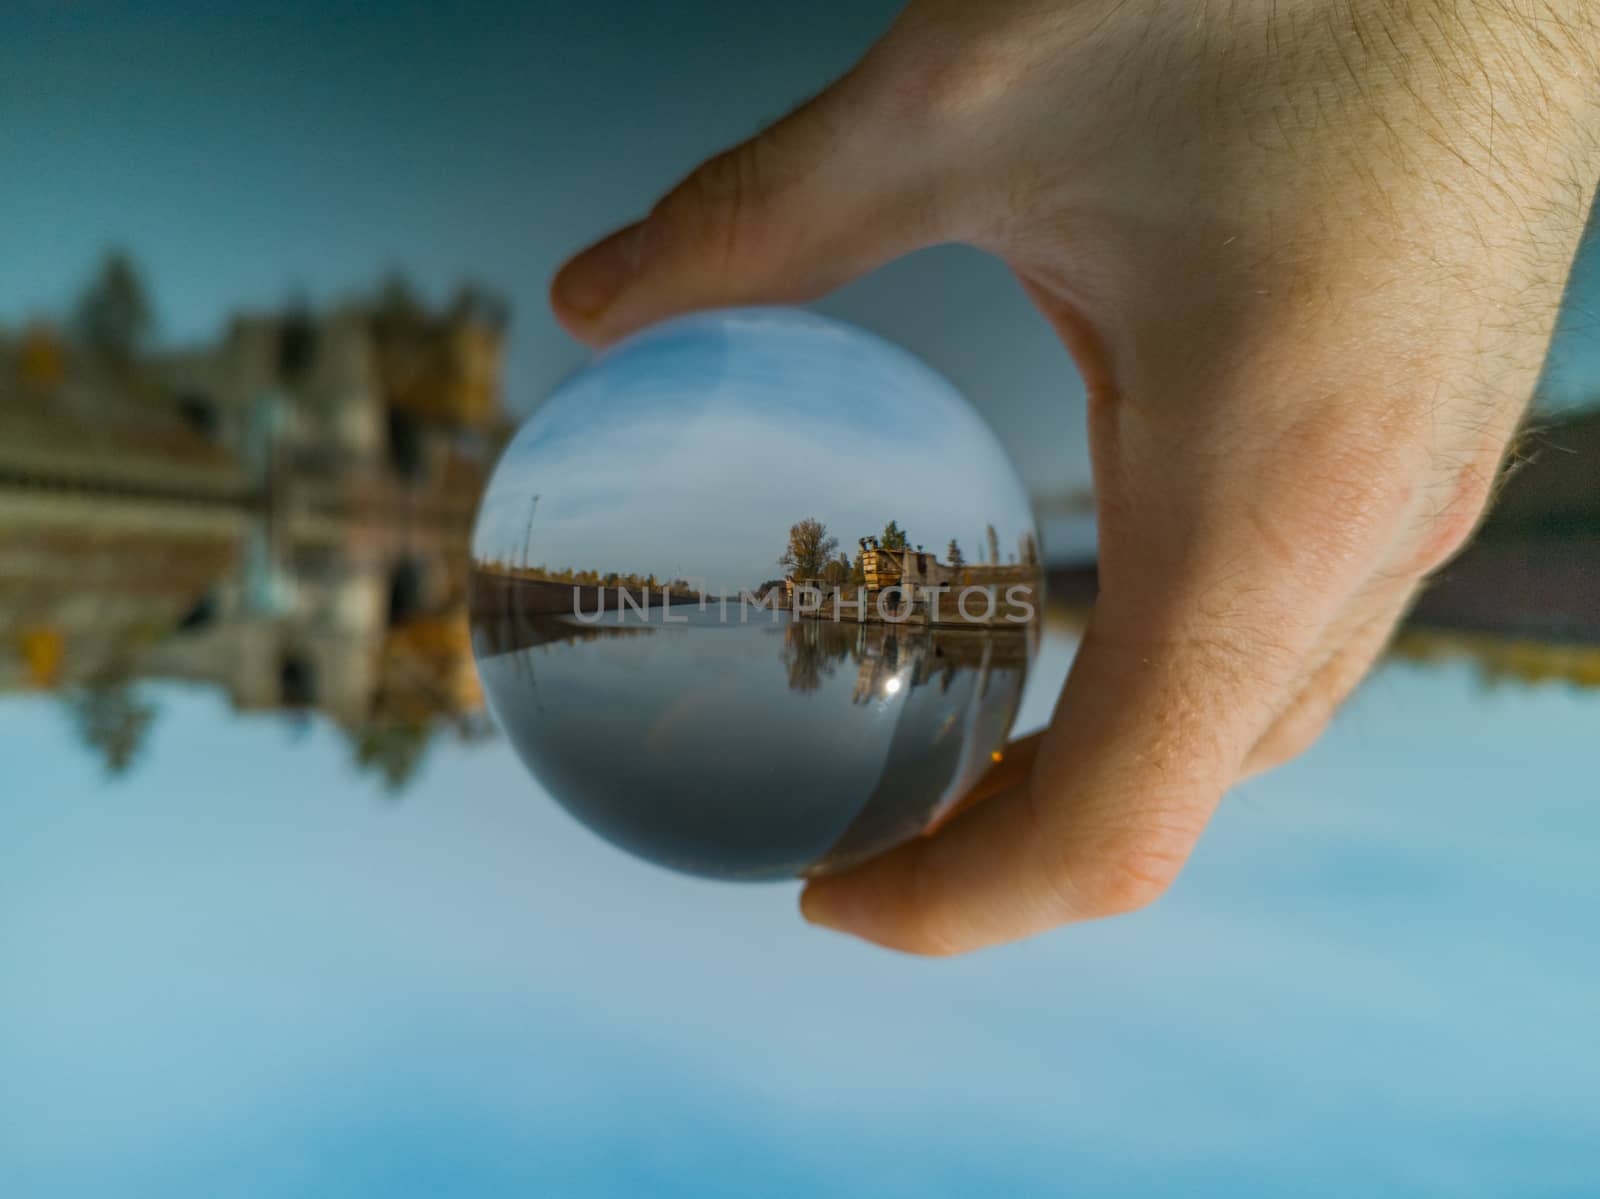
(1150, 732)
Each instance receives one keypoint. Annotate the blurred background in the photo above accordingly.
(281, 914)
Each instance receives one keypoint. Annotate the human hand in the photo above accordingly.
(1307, 256)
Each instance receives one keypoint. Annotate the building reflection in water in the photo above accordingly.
(962, 688)
(284, 515)
(747, 750)
(1522, 601)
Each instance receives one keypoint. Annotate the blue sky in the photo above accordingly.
(249, 151)
(262, 978)
(243, 971)
(690, 451)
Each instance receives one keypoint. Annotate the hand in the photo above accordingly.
(1307, 255)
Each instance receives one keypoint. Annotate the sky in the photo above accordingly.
(254, 151)
(250, 152)
(244, 971)
(787, 416)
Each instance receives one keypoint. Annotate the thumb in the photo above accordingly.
(822, 197)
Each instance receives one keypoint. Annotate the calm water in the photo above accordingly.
(244, 970)
(751, 749)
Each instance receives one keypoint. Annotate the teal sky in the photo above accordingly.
(689, 451)
(250, 151)
(243, 971)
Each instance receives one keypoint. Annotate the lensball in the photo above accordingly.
(754, 594)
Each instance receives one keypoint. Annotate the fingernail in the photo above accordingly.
(592, 281)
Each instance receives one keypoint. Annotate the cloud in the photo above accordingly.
(692, 452)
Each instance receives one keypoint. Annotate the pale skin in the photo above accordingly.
(1307, 255)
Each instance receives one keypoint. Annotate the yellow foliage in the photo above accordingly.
(41, 360)
(44, 650)
(1506, 659)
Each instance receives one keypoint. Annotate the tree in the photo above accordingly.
(397, 298)
(392, 749)
(112, 720)
(858, 571)
(994, 547)
(894, 537)
(806, 658)
(837, 571)
(810, 549)
(953, 554)
(114, 316)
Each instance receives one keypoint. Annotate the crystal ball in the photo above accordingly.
(754, 594)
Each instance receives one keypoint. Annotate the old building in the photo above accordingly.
(284, 514)
(911, 585)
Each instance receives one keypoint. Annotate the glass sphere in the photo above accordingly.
(754, 594)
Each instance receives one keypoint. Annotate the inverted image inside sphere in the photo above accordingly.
(754, 594)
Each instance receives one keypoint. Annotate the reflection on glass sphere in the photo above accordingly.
(754, 594)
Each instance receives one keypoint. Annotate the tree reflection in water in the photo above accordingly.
(751, 750)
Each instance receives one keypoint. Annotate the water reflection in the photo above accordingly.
(814, 682)
(1522, 601)
(746, 750)
(282, 515)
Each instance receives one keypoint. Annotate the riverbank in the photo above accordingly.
(494, 595)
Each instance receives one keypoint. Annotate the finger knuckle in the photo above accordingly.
(1450, 526)
(945, 67)
(1292, 736)
(715, 208)
(1125, 887)
(1132, 870)
(1341, 500)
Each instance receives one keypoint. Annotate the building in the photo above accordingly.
(911, 585)
(284, 515)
